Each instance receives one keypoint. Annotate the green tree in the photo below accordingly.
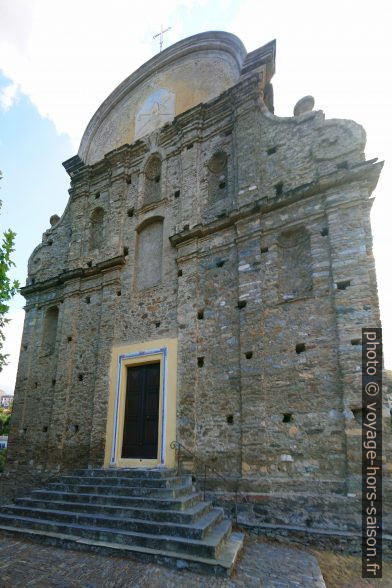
(3, 457)
(8, 287)
(5, 418)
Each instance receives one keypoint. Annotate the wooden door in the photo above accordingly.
(141, 417)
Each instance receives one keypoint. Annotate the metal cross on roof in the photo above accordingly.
(160, 35)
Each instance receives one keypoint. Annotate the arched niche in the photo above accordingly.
(217, 177)
(149, 251)
(153, 180)
(50, 330)
(96, 228)
(295, 263)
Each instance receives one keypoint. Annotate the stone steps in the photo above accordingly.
(174, 492)
(209, 546)
(150, 513)
(155, 473)
(220, 566)
(197, 530)
(181, 502)
(127, 482)
(187, 516)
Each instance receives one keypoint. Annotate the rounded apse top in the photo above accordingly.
(192, 71)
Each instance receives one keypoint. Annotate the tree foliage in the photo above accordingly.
(5, 421)
(3, 457)
(8, 287)
(5, 418)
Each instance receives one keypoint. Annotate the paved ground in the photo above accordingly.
(262, 564)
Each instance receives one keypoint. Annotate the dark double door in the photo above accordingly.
(141, 416)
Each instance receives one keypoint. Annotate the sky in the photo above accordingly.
(60, 60)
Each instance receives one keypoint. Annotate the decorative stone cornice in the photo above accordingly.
(263, 56)
(78, 273)
(183, 129)
(368, 171)
(74, 165)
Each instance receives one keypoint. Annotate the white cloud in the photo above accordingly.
(67, 57)
(8, 95)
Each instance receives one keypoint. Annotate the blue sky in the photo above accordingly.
(34, 181)
(56, 68)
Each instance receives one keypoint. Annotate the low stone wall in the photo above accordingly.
(12, 486)
(316, 509)
(330, 540)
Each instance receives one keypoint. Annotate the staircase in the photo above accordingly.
(149, 513)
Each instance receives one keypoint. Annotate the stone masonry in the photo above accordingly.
(242, 234)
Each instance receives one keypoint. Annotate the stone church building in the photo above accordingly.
(207, 284)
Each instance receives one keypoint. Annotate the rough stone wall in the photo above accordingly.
(266, 284)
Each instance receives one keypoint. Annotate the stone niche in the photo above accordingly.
(295, 268)
(50, 330)
(217, 177)
(96, 228)
(152, 180)
(149, 254)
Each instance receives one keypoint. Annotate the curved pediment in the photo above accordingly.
(189, 72)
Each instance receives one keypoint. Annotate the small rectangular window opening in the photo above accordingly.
(279, 188)
(343, 284)
(342, 165)
(300, 347)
